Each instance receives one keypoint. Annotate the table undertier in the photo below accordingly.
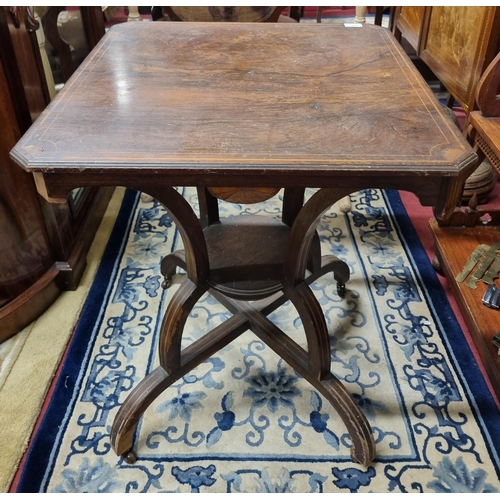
(246, 255)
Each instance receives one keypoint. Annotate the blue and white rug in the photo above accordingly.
(244, 421)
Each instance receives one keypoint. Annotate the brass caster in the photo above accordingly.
(436, 264)
(130, 457)
(341, 290)
(166, 283)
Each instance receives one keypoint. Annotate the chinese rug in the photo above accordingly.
(244, 421)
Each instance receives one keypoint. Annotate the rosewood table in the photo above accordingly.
(265, 106)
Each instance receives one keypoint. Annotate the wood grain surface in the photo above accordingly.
(328, 99)
(454, 245)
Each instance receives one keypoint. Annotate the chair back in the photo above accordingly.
(224, 14)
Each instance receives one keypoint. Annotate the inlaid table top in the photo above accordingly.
(234, 100)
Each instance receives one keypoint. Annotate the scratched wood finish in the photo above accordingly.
(266, 98)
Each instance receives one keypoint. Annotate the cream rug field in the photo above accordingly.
(244, 421)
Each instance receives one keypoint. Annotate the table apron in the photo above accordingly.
(441, 192)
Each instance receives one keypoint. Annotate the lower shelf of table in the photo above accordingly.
(453, 247)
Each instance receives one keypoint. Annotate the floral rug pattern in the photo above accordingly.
(245, 421)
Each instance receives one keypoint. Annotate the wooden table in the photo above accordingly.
(158, 105)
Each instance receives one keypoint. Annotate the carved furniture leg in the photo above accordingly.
(127, 418)
(159, 380)
(298, 291)
(360, 14)
(314, 365)
(363, 450)
(174, 364)
(173, 323)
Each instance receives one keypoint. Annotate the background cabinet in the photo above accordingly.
(42, 246)
(457, 43)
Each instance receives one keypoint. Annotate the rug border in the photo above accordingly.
(36, 462)
(475, 387)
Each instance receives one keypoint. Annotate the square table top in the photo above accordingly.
(223, 98)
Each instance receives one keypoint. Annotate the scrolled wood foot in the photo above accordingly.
(122, 432)
(363, 450)
(169, 265)
(340, 270)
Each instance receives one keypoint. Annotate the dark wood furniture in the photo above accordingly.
(456, 42)
(42, 246)
(220, 14)
(77, 38)
(224, 14)
(470, 228)
(221, 105)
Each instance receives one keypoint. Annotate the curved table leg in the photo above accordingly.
(296, 289)
(317, 368)
(314, 365)
(363, 449)
(175, 318)
(127, 418)
(313, 321)
(188, 225)
(129, 414)
(303, 231)
(363, 445)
